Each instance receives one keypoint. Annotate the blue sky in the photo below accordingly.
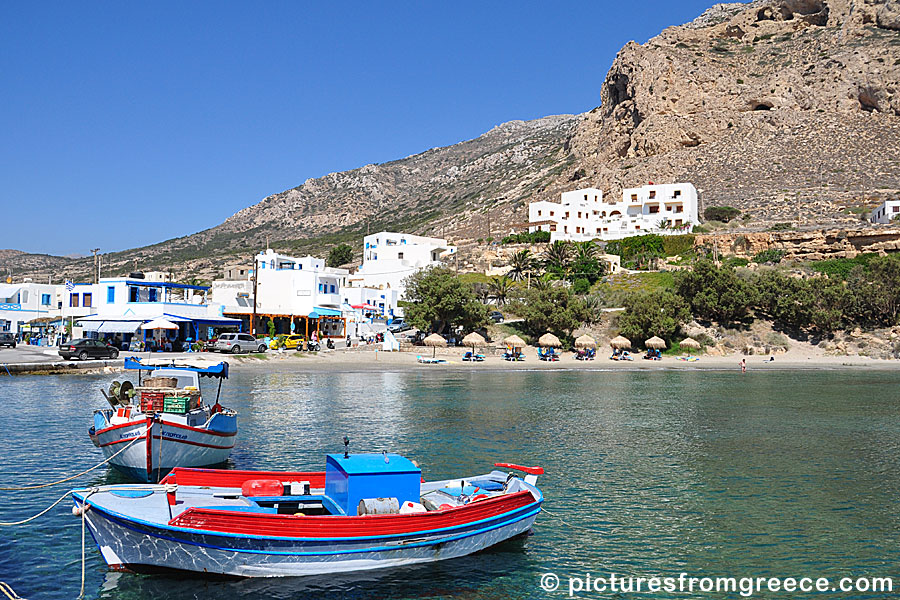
(125, 124)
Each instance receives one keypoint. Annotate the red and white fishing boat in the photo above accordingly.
(163, 422)
(365, 511)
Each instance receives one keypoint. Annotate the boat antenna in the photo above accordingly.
(346, 447)
(385, 456)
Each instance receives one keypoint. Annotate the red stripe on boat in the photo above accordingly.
(235, 479)
(169, 440)
(167, 424)
(269, 524)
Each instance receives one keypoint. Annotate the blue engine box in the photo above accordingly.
(360, 476)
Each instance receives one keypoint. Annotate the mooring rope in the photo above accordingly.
(46, 485)
(9, 592)
(83, 510)
(61, 498)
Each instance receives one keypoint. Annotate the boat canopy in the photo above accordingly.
(203, 367)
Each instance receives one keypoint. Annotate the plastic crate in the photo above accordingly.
(152, 401)
(177, 404)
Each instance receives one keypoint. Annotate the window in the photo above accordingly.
(400, 255)
(553, 227)
(676, 193)
(332, 289)
(567, 214)
(110, 294)
(262, 265)
(73, 300)
(133, 293)
(321, 288)
(579, 214)
(87, 300)
(679, 209)
(634, 197)
(45, 299)
(24, 296)
(678, 222)
(551, 213)
(897, 209)
(539, 213)
(653, 194)
(637, 227)
(272, 264)
(653, 209)
(585, 197)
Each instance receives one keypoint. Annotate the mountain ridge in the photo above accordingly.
(786, 109)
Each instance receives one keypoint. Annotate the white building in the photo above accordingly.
(389, 258)
(299, 295)
(26, 301)
(887, 212)
(582, 215)
(120, 305)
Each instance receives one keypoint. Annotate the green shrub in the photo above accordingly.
(781, 227)
(721, 213)
(841, 267)
(581, 286)
(538, 237)
(769, 256)
(673, 245)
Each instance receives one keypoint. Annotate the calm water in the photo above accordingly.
(771, 473)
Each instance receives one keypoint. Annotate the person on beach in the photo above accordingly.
(743, 365)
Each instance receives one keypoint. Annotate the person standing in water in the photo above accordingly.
(743, 365)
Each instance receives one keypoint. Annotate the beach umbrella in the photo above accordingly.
(159, 323)
(620, 342)
(656, 342)
(474, 340)
(690, 344)
(514, 341)
(585, 341)
(548, 340)
(434, 340)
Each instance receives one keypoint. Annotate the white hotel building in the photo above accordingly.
(887, 212)
(582, 215)
(389, 258)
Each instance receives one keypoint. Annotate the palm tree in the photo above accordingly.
(522, 263)
(588, 250)
(558, 256)
(542, 283)
(499, 288)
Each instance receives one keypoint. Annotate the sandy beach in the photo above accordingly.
(367, 360)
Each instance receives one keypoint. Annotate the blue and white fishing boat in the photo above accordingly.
(163, 422)
(365, 511)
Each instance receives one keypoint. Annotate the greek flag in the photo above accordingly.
(69, 285)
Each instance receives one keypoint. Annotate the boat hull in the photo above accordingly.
(170, 445)
(125, 544)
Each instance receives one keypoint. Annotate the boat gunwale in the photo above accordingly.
(125, 519)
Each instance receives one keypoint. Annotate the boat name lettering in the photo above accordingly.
(130, 434)
(176, 436)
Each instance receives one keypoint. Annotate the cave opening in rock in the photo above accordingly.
(762, 106)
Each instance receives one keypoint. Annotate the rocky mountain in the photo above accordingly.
(786, 109)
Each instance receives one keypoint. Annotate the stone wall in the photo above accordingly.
(807, 245)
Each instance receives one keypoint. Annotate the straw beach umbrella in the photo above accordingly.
(585, 341)
(690, 344)
(548, 340)
(514, 341)
(434, 340)
(474, 340)
(620, 342)
(657, 343)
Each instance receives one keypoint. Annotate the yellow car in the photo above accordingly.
(291, 342)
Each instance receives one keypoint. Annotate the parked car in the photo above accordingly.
(398, 325)
(85, 348)
(7, 339)
(238, 342)
(290, 342)
(496, 316)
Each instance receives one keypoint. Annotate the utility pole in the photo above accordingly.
(253, 317)
(96, 264)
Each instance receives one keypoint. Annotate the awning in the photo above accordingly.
(93, 325)
(320, 311)
(118, 327)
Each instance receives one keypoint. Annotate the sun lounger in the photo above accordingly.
(429, 361)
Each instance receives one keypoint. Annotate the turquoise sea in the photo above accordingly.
(769, 474)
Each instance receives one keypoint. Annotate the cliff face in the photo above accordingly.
(786, 109)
